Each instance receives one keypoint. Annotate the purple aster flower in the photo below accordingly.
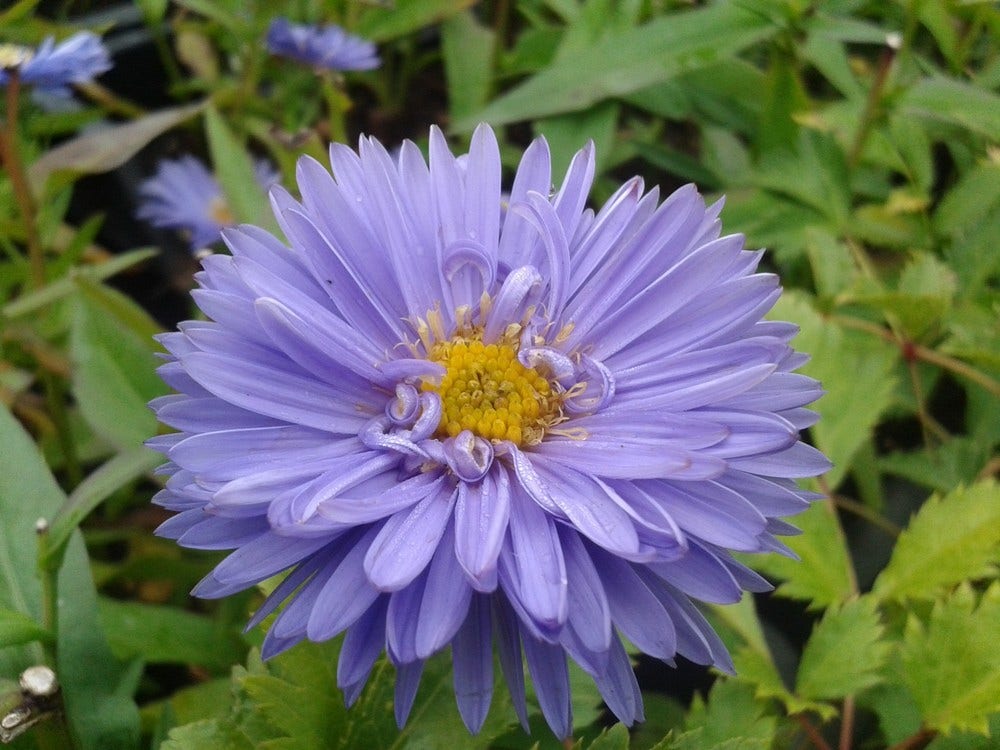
(184, 195)
(328, 47)
(545, 429)
(53, 67)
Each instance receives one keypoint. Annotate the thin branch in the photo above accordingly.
(847, 724)
(813, 733)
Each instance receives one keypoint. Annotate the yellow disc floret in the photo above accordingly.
(486, 390)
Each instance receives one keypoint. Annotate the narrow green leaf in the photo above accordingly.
(468, 49)
(952, 664)
(623, 63)
(16, 629)
(235, 171)
(63, 287)
(951, 539)
(96, 690)
(823, 574)
(117, 472)
(407, 16)
(107, 148)
(954, 102)
(845, 653)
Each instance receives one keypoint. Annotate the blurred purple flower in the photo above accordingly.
(547, 428)
(184, 195)
(53, 67)
(328, 47)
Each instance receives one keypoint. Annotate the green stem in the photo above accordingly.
(50, 591)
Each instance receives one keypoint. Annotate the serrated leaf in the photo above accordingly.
(615, 738)
(211, 734)
(898, 714)
(940, 467)
(822, 575)
(758, 669)
(96, 689)
(845, 653)
(951, 539)
(856, 372)
(952, 664)
(114, 375)
(731, 712)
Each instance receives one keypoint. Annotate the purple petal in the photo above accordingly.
(446, 599)
(482, 512)
(549, 675)
(406, 542)
(472, 653)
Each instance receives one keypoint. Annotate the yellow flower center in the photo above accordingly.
(486, 390)
(220, 212)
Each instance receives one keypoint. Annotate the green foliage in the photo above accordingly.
(857, 142)
(845, 653)
(951, 664)
(822, 574)
(952, 539)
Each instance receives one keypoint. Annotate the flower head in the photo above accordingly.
(184, 195)
(545, 428)
(328, 47)
(53, 67)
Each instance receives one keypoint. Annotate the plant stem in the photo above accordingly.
(813, 733)
(863, 511)
(916, 741)
(11, 158)
(50, 591)
(871, 110)
(846, 724)
(917, 351)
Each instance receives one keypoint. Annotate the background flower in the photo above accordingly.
(53, 67)
(328, 47)
(184, 195)
(545, 428)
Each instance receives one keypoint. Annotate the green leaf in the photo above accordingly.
(16, 629)
(160, 634)
(234, 168)
(966, 205)
(730, 713)
(615, 738)
(951, 664)
(955, 102)
(106, 148)
(115, 366)
(940, 467)
(898, 714)
(114, 474)
(468, 49)
(623, 63)
(96, 690)
(212, 734)
(951, 539)
(758, 669)
(567, 134)
(845, 653)
(822, 575)
(856, 372)
(406, 16)
(63, 287)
